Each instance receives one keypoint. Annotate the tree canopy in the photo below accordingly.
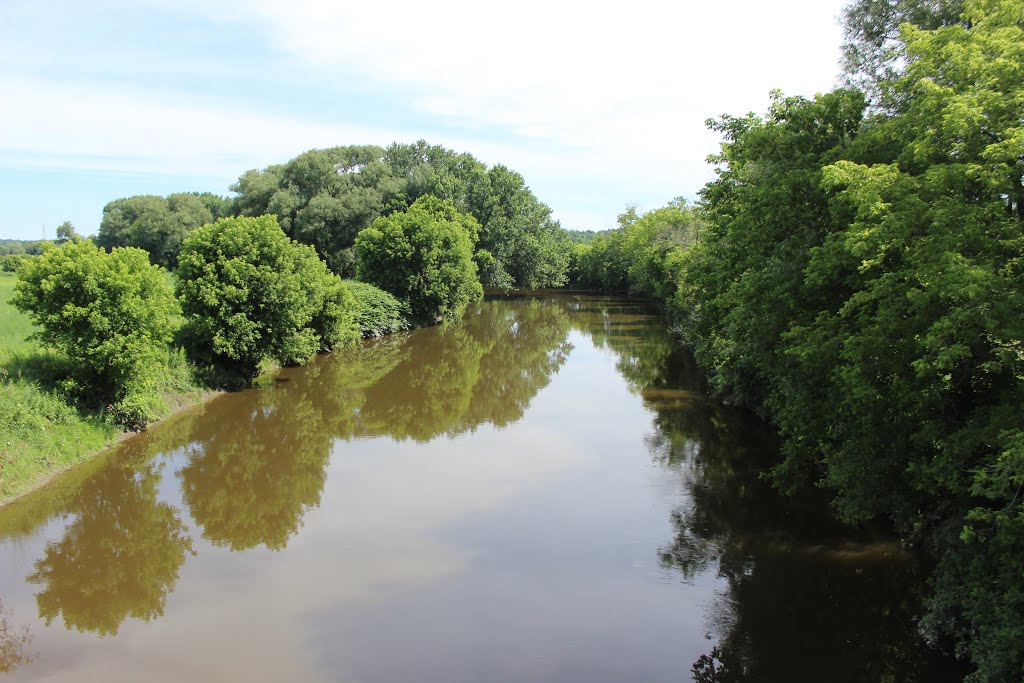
(158, 224)
(110, 313)
(861, 280)
(250, 293)
(423, 256)
(326, 197)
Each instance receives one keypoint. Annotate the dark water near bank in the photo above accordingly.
(542, 493)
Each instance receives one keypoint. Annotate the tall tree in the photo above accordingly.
(66, 233)
(326, 197)
(156, 224)
(872, 52)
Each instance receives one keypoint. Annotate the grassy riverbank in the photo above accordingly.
(41, 432)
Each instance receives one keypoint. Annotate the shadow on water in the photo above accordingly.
(806, 598)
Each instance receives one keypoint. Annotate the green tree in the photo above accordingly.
(323, 197)
(862, 282)
(873, 52)
(66, 233)
(156, 224)
(326, 197)
(423, 256)
(529, 246)
(249, 293)
(110, 313)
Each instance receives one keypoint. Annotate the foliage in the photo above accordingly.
(863, 281)
(326, 197)
(643, 257)
(66, 233)
(873, 53)
(15, 247)
(377, 313)
(583, 236)
(249, 293)
(158, 224)
(110, 313)
(337, 323)
(529, 248)
(322, 197)
(423, 256)
(10, 263)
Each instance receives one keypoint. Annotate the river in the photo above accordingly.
(542, 492)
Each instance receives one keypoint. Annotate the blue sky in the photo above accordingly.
(596, 108)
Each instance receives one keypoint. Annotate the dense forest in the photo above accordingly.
(854, 273)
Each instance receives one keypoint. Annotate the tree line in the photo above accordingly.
(856, 273)
(326, 197)
(421, 228)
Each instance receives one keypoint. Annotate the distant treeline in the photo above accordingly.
(17, 247)
(856, 273)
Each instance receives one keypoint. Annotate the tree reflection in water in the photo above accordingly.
(14, 643)
(452, 379)
(258, 461)
(803, 597)
(118, 559)
(256, 464)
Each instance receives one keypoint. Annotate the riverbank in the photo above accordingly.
(41, 435)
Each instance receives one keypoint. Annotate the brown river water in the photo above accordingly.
(544, 492)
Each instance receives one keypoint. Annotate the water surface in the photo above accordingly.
(543, 492)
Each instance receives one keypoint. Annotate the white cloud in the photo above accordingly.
(571, 94)
(619, 92)
(89, 126)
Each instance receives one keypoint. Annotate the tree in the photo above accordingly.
(325, 197)
(157, 224)
(644, 256)
(424, 256)
(249, 293)
(530, 248)
(66, 233)
(110, 313)
(861, 281)
(872, 52)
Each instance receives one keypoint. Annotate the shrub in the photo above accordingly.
(377, 312)
(110, 313)
(423, 256)
(249, 293)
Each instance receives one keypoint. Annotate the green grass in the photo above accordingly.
(40, 432)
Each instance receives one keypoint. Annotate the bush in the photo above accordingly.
(110, 313)
(337, 323)
(423, 256)
(377, 312)
(10, 262)
(249, 293)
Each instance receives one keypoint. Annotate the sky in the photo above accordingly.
(597, 106)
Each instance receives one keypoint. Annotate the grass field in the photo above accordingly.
(40, 432)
